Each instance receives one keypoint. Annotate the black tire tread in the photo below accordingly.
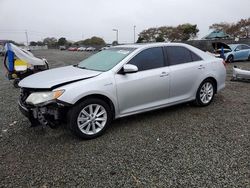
(197, 101)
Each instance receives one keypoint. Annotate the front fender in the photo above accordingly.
(95, 86)
(228, 54)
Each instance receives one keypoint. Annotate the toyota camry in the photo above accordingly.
(119, 82)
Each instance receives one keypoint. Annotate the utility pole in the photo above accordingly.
(27, 38)
(116, 30)
(134, 32)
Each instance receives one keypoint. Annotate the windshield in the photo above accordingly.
(232, 46)
(106, 59)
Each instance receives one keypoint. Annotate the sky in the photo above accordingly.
(82, 19)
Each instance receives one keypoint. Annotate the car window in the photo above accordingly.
(245, 47)
(105, 60)
(149, 59)
(238, 48)
(195, 57)
(178, 55)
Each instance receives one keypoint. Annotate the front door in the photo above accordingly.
(147, 88)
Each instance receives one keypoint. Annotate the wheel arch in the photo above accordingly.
(230, 55)
(213, 80)
(102, 97)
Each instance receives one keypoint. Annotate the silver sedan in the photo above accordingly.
(119, 82)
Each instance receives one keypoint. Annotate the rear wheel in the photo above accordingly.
(230, 59)
(90, 118)
(205, 93)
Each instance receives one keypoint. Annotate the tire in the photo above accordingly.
(230, 59)
(249, 58)
(15, 83)
(205, 93)
(86, 123)
(33, 122)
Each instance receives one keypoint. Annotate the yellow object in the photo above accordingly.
(14, 76)
(20, 65)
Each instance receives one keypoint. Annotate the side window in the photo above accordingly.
(238, 48)
(149, 59)
(195, 57)
(178, 55)
(245, 47)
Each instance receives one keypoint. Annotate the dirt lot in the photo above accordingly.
(181, 146)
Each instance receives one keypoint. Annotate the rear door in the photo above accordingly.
(147, 88)
(186, 70)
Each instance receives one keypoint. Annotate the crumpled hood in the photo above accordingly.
(58, 76)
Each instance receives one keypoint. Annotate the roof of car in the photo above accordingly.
(142, 46)
(145, 45)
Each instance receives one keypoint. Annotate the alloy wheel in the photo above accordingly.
(92, 119)
(206, 92)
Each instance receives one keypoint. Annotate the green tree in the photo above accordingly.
(168, 33)
(186, 31)
(140, 40)
(159, 39)
(40, 43)
(62, 41)
(50, 41)
(97, 41)
(94, 41)
(149, 35)
(33, 43)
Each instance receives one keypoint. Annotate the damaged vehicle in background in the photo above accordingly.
(232, 52)
(119, 82)
(240, 74)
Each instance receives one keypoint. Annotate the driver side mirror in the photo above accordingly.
(237, 49)
(129, 68)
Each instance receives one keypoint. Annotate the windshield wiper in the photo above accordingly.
(77, 65)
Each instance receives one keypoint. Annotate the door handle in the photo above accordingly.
(163, 74)
(201, 67)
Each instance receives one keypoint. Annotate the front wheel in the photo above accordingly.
(205, 93)
(230, 59)
(90, 118)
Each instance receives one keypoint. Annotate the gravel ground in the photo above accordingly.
(180, 146)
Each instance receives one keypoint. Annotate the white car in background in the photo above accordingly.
(105, 48)
(119, 82)
(90, 49)
(81, 49)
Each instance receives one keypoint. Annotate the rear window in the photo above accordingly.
(178, 55)
(195, 57)
(245, 47)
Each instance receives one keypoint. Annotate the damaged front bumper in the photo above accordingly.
(50, 113)
(240, 74)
